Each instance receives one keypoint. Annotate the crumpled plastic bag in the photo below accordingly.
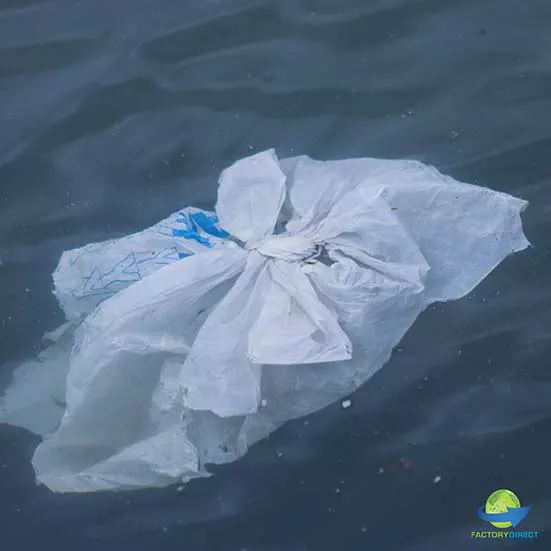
(192, 340)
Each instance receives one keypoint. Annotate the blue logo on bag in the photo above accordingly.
(209, 224)
(193, 223)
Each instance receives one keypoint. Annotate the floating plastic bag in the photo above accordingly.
(201, 335)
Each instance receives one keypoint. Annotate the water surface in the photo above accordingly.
(114, 114)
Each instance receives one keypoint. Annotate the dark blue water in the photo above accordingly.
(115, 113)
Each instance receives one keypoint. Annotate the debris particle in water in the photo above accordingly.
(436, 479)
(381, 470)
(279, 454)
(346, 404)
(180, 489)
(454, 134)
(264, 403)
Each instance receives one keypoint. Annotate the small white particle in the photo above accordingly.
(346, 404)
(264, 403)
(436, 479)
(381, 470)
(337, 490)
(279, 454)
(364, 529)
(180, 488)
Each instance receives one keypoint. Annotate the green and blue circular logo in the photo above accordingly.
(503, 509)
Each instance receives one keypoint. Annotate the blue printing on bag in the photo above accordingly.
(98, 283)
(187, 234)
(208, 224)
(189, 231)
(192, 223)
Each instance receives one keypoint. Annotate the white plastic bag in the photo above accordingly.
(208, 331)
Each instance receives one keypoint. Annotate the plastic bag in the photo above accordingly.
(205, 333)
